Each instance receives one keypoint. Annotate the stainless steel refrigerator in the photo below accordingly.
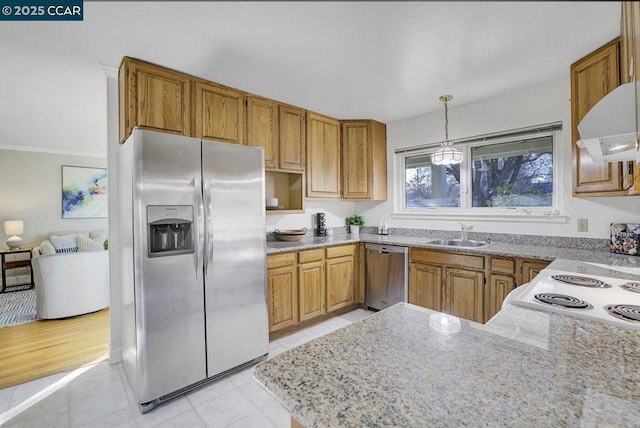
(192, 260)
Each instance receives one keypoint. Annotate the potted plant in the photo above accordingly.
(355, 222)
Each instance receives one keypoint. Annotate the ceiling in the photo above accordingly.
(382, 60)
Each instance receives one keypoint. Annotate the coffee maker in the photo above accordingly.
(321, 229)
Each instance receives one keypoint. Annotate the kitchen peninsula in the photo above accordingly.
(523, 368)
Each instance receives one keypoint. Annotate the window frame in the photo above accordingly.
(466, 211)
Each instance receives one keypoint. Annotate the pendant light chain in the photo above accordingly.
(446, 122)
(447, 154)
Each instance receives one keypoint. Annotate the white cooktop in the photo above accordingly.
(597, 297)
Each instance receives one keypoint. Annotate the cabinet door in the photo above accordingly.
(425, 285)
(323, 157)
(356, 160)
(629, 72)
(292, 134)
(282, 297)
(153, 97)
(499, 287)
(364, 160)
(593, 77)
(311, 286)
(339, 283)
(262, 128)
(529, 269)
(219, 113)
(463, 294)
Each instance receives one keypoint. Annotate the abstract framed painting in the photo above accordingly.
(84, 192)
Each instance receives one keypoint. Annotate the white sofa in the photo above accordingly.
(70, 284)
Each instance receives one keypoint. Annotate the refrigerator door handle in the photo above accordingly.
(198, 253)
(208, 229)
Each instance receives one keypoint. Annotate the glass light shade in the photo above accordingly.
(13, 227)
(446, 155)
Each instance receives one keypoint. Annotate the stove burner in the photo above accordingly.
(581, 280)
(563, 300)
(632, 286)
(629, 313)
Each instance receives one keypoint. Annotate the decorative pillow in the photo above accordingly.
(65, 243)
(98, 236)
(47, 248)
(86, 244)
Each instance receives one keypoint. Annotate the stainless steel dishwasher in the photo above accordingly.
(387, 275)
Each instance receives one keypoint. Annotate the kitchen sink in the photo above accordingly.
(456, 242)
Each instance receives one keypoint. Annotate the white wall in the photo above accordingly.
(31, 190)
(540, 104)
(335, 214)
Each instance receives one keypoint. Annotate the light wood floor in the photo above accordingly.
(42, 348)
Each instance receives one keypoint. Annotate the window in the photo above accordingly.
(509, 174)
(429, 185)
(513, 174)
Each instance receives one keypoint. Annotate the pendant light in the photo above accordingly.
(447, 154)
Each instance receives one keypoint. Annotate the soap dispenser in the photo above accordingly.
(380, 227)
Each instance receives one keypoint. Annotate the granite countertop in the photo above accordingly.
(523, 368)
(539, 252)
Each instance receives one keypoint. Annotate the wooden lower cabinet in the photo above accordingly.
(464, 294)
(447, 282)
(425, 285)
(340, 283)
(282, 286)
(528, 269)
(499, 286)
(311, 286)
(465, 285)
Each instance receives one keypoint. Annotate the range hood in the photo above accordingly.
(608, 130)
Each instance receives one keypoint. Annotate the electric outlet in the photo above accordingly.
(583, 225)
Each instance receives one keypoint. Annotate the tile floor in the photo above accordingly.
(99, 396)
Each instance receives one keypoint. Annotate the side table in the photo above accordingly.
(13, 264)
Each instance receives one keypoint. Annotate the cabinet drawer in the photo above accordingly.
(311, 255)
(343, 250)
(450, 259)
(501, 265)
(278, 260)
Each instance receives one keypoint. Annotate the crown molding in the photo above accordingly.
(53, 151)
(108, 70)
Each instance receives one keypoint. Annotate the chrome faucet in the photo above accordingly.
(464, 229)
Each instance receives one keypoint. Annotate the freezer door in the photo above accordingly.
(235, 272)
(169, 290)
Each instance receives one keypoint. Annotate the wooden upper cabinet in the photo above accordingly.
(153, 97)
(364, 160)
(262, 128)
(323, 157)
(593, 77)
(292, 135)
(630, 72)
(219, 113)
